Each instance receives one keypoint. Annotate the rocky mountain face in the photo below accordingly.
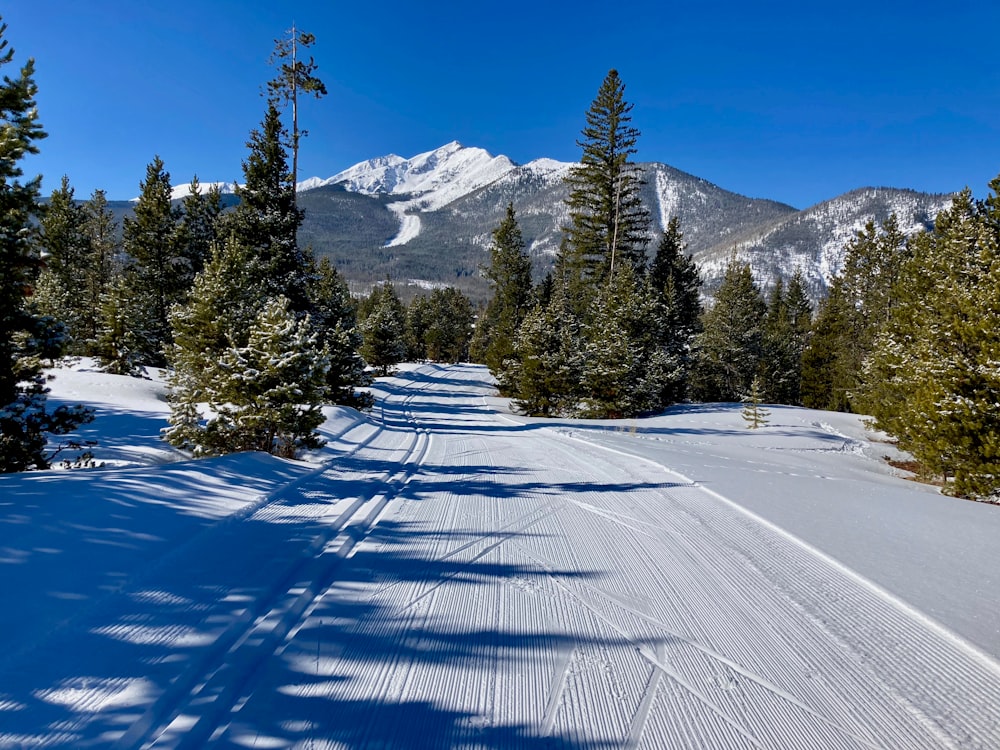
(427, 220)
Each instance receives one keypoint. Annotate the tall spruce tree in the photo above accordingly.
(829, 365)
(449, 321)
(160, 275)
(509, 274)
(545, 373)
(609, 224)
(199, 228)
(266, 219)
(101, 229)
(787, 326)
(676, 284)
(68, 255)
(25, 338)
(857, 308)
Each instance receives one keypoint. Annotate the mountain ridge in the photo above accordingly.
(426, 220)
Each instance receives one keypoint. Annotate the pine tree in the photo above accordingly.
(627, 370)
(122, 338)
(417, 322)
(545, 371)
(101, 230)
(731, 344)
(849, 320)
(786, 331)
(25, 338)
(674, 279)
(199, 228)
(160, 275)
(609, 224)
(335, 319)
(225, 300)
(509, 275)
(265, 395)
(295, 76)
(753, 413)
(266, 219)
(383, 330)
(68, 253)
(449, 325)
(828, 377)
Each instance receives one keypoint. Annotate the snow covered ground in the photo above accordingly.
(446, 574)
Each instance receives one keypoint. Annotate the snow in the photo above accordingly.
(447, 574)
(177, 192)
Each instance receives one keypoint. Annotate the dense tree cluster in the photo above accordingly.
(609, 334)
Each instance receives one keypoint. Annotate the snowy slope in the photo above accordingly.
(446, 574)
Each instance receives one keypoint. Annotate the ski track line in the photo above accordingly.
(943, 726)
(643, 650)
(649, 695)
(970, 649)
(701, 563)
(170, 556)
(233, 693)
(657, 658)
(269, 617)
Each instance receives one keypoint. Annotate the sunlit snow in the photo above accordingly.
(445, 573)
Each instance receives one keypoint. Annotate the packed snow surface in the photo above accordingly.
(446, 574)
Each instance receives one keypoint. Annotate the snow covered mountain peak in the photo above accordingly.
(434, 177)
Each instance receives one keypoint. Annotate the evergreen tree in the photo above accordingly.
(224, 302)
(847, 324)
(266, 219)
(25, 338)
(160, 275)
(609, 224)
(264, 396)
(65, 275)
(674, 279)
(383, 330)
(417, 322)
(786, 331)
(449, 325)
(509, 275)
(931, 379)
(731, 344)
(545, 372)
(199, 228)
(828, 376)
(627, 370)
(101, 230)
(295, 76)
(753, 413)
(335, 319)
(122, 336)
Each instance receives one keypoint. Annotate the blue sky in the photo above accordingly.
(791, 101)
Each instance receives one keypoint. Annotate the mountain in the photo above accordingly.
(427, 220)
(813, 240)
